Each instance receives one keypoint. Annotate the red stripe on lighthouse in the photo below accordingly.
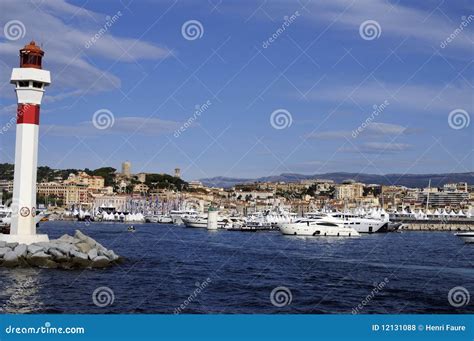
(28, 114)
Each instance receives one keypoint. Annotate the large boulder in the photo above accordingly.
(110, 254)
(21, 250)
(45, 245)
(84, 247)
(58, 256)
(80, 259)
(10, 259)
(92, 254)
(40, 254)
(65, 238)
(3, 243)
(79, 254)
(12, 245)
(4, 250)
(42, 260)
(79, 251)
(88, 240)
(63, 247)
(32, 248)
(100, 262)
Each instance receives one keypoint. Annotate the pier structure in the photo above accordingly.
(212, 215)
(435, 224)
(30, 81)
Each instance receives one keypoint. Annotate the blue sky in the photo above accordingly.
(321, 71)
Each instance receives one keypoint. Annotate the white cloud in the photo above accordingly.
(373, 129)
(329, 135)
(430, 25)
(386, 146)
(64, 29)
(416, 97)
(379, 148)
(122, 125)
(378, 128)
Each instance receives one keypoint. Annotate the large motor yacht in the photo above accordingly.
(317, 228)
(468, 237)
(178, 215)
(201, 221)
(360, 224)
(159, 218)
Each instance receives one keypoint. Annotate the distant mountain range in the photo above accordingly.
(408, 180)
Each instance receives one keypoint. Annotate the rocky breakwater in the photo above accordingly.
(67, 252)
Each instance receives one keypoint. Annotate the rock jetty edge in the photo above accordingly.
(67, 252)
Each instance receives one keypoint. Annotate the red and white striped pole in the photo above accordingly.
(30, 80)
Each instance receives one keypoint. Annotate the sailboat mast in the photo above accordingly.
(428, 195)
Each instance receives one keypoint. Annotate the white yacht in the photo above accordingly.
(268, 220)
(178, 215)
(201, 221)
(195, 221)
(159, 218)
(468, 237)
(317, 228)
(360, 224)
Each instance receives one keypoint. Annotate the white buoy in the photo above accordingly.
(212, 219)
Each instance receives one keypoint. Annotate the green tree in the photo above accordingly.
(165, 181)
(108, 173)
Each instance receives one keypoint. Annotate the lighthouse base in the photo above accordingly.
(24, 238)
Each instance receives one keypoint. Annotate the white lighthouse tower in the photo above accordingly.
(29, 80)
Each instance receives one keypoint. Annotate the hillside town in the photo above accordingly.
(148, 194)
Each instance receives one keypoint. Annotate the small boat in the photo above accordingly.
(131, 228)
(468, 237)
(159, 218)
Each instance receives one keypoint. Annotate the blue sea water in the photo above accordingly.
(165, 266)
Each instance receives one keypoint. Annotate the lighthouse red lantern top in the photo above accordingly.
(31, 56)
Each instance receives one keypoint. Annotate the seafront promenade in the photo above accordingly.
(434, 224)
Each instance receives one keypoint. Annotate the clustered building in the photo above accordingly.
(308, 195)
(77, 189)
(89, 191)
